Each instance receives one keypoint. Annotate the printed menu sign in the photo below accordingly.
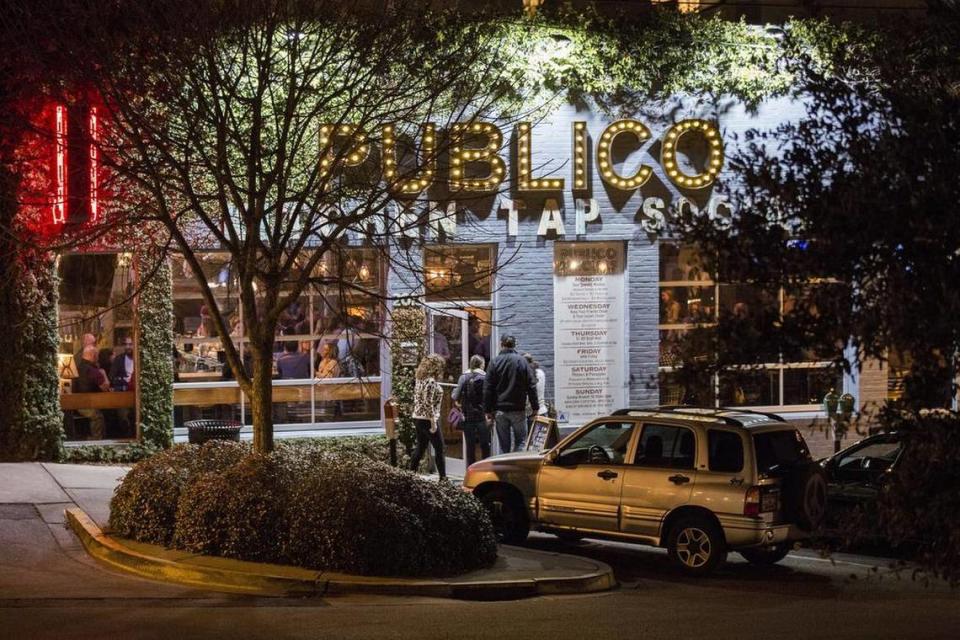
(589, 330)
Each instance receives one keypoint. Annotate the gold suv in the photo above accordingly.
(699, 482)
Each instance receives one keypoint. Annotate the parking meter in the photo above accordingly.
(831, 404)
(831, 401)
(846, 406)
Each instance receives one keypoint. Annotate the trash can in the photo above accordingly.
(199, 431)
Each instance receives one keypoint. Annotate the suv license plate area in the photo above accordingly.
(769, 500)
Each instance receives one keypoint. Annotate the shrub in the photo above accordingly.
(917, 507)
(144, 505)
(107, 453)
(306, 506)
(372, 447)
(364, 517)
(237, 512)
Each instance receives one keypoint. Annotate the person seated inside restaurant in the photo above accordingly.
(292, 363)
(329, 365)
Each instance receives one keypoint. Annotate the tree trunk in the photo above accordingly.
(261, 397)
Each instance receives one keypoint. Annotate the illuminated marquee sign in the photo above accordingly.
(478, 145)
(487, 154)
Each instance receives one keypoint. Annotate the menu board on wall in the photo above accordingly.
(589, 329)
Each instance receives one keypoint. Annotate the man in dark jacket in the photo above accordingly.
(509, 384)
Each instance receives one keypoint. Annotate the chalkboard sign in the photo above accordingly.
(543, 435)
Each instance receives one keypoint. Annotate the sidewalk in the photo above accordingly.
(84, 492)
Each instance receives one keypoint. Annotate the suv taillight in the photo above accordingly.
(761, 500)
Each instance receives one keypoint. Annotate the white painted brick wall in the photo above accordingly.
(525, 296)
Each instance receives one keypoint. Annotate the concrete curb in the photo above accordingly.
(222, 574)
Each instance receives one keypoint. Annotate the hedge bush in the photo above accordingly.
(237, 512)
(107, 453)
(144, 506)
(307, 506)
(916, 507)
(357, 516)
(372, 447)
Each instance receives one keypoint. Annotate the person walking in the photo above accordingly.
(469, 393)
(427, 397)
(541, 390)
(509, 384)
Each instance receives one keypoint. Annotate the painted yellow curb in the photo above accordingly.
(233, 576)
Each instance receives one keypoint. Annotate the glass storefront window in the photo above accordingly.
(677, 388)
(459, 272)
(744, 314)
(682, 263)
(97, 352)
(687, 305)
(750, 388)
(809, 385)
(327, 339)
(686, 345)
(748, 302)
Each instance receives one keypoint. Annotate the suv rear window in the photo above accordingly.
(726, 451)
(777, 450)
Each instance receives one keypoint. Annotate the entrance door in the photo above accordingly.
(661, 477)
(581, 487)
(448, 332)
(459, 333)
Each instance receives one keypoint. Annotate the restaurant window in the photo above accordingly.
(96, 360)
(459, 287)
(459, 272)
(695, 310)
(326, 353)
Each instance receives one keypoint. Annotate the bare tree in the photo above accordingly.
(277, 131)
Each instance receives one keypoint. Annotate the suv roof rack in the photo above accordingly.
(703, 414)
(765, 414)
(701, 411)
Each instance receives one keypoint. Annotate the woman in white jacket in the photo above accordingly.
(427, 397)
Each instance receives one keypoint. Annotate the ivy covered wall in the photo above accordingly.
(31, 423)
(407, 348)
(155, 338)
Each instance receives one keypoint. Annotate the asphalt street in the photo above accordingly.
(49, 588)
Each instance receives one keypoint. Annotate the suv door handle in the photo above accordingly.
(606, 474)
(679, 479)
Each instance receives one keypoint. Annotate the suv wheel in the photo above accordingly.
(506, 512)
(696, 545)
(766, 555)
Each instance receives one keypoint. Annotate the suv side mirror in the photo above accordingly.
(552, 456)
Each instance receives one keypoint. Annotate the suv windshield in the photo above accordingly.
(778, 450)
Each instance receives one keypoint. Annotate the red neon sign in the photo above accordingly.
(94, 139)
(60, 170)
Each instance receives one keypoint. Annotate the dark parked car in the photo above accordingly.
(856, 474)
(855, 478)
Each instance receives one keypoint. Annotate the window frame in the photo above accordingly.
(780, 366)
(743, 450)
(696, 447)
(311, 298)
(635, 427)
(124, 260)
